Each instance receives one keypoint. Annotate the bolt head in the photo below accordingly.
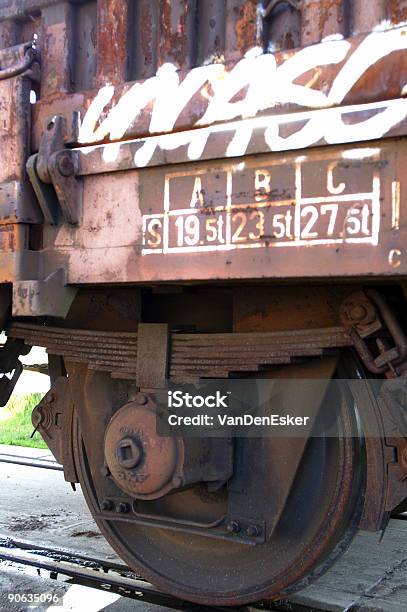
(122, 508)
(106, 504)
(252, 531)
(357, 312)
(233, 527)
(65, 165)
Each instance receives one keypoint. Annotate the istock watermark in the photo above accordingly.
(179, 399)
(237, 408)
(277, 407)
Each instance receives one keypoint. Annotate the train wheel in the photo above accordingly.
(318, 522)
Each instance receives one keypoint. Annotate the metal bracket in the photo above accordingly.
(152, 355)
(367, 316)
(52, 172)
(393, 403)
(48, 297)
(62, 167)
(53, 417)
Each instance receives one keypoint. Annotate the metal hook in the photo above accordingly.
(22, 66)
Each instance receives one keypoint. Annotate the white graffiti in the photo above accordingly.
(267, 85)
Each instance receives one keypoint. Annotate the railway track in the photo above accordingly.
(67, 568)
(46, 464)
(61, 564)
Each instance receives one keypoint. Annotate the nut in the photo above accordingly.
(106, 504)
(122, 508)
(233, 527)
(253, 531)
(357, 312)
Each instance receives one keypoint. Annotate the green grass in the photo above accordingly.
(15, 421)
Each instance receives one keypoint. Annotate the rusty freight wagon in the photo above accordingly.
(210, 189)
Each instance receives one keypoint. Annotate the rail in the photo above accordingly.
(93, 572)
(46, 464)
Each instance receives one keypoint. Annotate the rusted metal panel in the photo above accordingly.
(293, 308)
(177, 39)
(323, 18)
(242, 28)
(13, 237)
(56, 41)
(296, 107)
(359, 71)
(46, 297)
(397, 11)
(211, 16)
(339, 207)
(367, 15)
(21, 9)
(18, 264)
(112, 41)
(226, 140)
(144, 39)
(9, 34)
(17, 203)
(85, 46)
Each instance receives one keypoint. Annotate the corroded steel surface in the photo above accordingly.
(340, 208)
(18, 208)
(364, 69)
(111, 42)
(213, 77)
(200, 141)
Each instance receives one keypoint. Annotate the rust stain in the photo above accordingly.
(322, 18)
(397, 10)
(330, 11)
(246, 25)
(112, 41)
(146, 34)
(174, 39)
